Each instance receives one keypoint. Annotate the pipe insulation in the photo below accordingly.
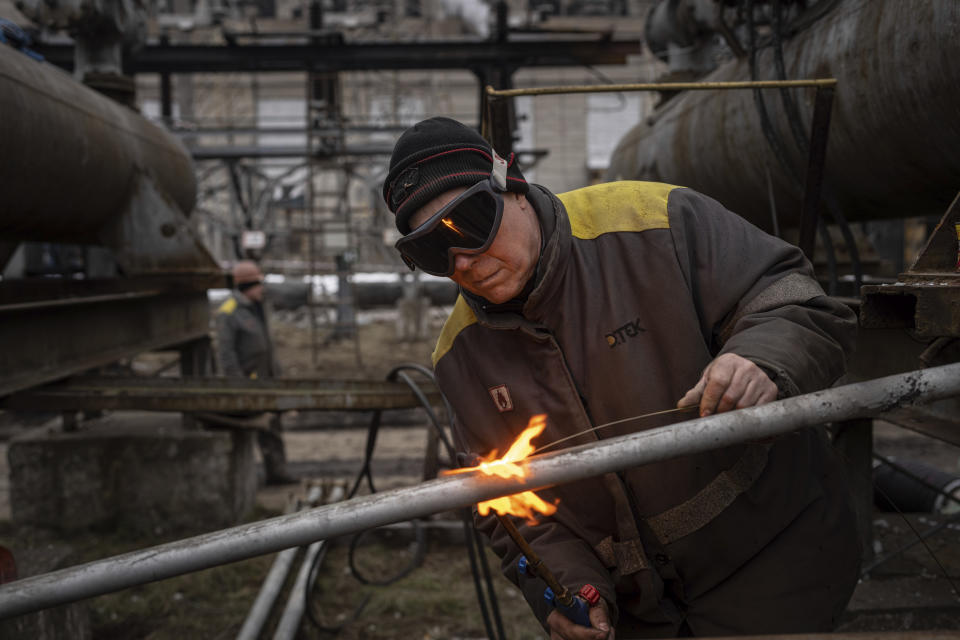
(72, 158)
(456, 491)
(894, 139)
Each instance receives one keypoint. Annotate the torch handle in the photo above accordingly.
(577, 610)
(561, 593)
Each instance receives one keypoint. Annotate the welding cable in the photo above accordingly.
(365, 472)
(793, 113)
(800, 137)
(419, 552)
(776, 145)
(471, 535)
(921, 538)
(474, 544)
(308, 604)
(419, 536)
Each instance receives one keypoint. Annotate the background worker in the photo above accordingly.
(245, 349)
(615, 301)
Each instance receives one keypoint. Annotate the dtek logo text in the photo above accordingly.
(624, 333)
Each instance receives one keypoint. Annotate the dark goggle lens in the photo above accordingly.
(469, 226)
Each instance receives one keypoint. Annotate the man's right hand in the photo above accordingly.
(562, 628)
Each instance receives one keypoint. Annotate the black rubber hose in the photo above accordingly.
(420, 549)
(828, 249)
(776, 145)
(474, 545)
(469, 531)
(472, 537)
(793, 113)
(485, 566)
(798, 130)
(308, 604)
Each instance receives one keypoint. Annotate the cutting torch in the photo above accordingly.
(575, 607)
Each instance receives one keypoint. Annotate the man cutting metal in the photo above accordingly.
(621, 300)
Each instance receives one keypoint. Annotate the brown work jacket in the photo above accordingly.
(639, 286)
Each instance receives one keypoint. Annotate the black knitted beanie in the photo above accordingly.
(434, 156)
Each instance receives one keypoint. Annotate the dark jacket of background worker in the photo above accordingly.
(245, 349)
(610, 302)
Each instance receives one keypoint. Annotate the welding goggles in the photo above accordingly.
(466, 224)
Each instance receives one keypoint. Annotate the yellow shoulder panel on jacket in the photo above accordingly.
(617, 206)
(460, 318)
(229, 306)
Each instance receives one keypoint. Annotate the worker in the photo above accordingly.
(614, 301)
(245, 349)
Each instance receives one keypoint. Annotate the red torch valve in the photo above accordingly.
(589, 593)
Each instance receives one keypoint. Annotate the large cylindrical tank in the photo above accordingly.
(894, 146)
(70, 156)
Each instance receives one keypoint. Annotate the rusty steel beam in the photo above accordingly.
(56, 327)
(535, 52)
(217, 395)
(926, 423)
(43, 343)
(926, 298)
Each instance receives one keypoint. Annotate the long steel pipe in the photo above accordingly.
(229, 545)
(272, 585)
(894, 142)
(296, 602)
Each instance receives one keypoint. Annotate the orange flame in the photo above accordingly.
(523, 505)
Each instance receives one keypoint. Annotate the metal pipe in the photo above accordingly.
(273, 583)
(296, 601)
(451, 492)
(269, 591)
(662, 86)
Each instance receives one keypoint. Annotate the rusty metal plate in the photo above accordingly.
(925, 423)
(929, 307)
(219, 395)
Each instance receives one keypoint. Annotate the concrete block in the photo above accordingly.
(132, 472)
(66, 622)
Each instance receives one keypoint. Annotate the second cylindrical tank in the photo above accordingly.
(894, 147)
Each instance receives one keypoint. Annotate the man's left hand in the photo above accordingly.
(730, 382)
(562, 628)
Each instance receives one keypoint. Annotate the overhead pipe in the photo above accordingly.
(452, 492)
